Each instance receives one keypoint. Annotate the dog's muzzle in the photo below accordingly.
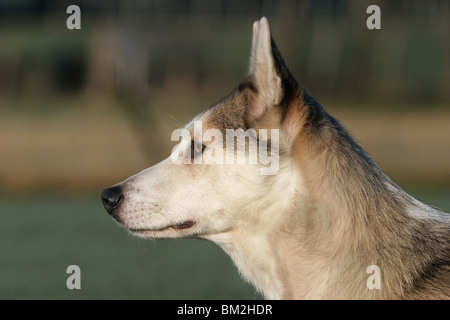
(111, 199)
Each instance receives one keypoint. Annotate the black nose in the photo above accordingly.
(111, 198)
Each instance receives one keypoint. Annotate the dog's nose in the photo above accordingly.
(111, 198)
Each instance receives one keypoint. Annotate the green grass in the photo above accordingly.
(41, 237)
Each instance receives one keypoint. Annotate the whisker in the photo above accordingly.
(177, 122)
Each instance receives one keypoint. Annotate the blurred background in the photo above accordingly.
(81, 110)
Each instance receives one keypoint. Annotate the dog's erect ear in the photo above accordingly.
(277, 100)
(262, 70)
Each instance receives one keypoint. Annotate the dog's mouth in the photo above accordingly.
(180, 226)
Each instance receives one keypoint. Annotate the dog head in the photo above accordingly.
(232, 165)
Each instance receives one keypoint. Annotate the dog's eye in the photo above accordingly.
(196, 148)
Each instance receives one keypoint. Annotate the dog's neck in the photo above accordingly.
(254, 244)
(256, 259)
(357, 218)
(296, 250)
(299, 246)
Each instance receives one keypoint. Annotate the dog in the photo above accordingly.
(325, 223)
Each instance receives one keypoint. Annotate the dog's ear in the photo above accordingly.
(276, 99)
(262, 70)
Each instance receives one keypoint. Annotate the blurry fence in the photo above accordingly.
(132, 46)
